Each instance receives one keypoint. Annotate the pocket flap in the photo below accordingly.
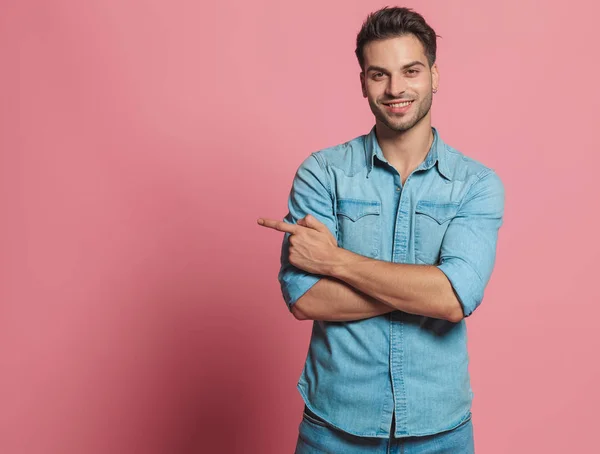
(439, 212)
(355, 209)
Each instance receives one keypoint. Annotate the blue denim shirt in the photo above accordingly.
(447, 214)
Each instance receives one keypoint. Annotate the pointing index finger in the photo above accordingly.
(278, 225)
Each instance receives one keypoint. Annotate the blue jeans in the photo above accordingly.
(317, 437)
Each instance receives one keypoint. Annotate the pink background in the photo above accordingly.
(140, 140)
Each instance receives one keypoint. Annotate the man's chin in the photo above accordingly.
(399, 127)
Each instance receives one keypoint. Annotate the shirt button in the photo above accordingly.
(397, 188)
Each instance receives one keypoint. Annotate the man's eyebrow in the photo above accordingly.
(383, 70)
(413, 63)
(377, 68)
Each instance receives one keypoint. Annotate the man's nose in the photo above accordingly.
(396, 86)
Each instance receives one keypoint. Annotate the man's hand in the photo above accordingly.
(312, 247)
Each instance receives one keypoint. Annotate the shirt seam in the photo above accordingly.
(480, 176)
(324, 170)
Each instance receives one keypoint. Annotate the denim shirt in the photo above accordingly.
(447, 214)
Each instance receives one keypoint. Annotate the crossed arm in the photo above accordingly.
(354, 287)
(321, 281)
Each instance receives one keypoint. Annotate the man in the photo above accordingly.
(390, 241)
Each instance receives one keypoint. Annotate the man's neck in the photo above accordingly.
(405, 150)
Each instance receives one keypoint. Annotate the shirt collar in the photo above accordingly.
(437, 154)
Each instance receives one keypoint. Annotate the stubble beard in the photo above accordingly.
(402, 125)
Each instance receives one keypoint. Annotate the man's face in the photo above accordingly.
(398, 81)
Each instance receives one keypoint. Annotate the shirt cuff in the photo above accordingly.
(465, 282)
(294, 284)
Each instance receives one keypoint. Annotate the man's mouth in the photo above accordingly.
(398, 104)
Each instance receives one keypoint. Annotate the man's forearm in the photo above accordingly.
(335, 301)
(416, 289)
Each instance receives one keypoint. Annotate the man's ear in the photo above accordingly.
(362, 84)
(435, 77)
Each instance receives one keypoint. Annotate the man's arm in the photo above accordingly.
(450, 291)
(334, 301)
(358, 287)
(416, 289)
(310, 295)
(369, 287)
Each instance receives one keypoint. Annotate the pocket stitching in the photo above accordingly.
(436, 211)
(354, 209)
(439, 213)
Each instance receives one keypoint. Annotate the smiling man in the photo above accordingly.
(389, 243)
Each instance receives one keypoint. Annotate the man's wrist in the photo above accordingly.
(341, 259)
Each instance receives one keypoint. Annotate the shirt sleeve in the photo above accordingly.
(310, 194)
(468, 250)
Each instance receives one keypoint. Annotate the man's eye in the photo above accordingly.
(378, 75)
(412, 72)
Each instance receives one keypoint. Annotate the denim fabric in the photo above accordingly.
(447, 214)
(316, 437)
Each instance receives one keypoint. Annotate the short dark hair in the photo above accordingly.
(390, 22)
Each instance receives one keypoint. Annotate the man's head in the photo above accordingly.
(396, 50)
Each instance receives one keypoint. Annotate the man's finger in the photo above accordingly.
(315, 224)
(278, 225)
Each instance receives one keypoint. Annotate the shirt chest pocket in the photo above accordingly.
(359, 226)
(431, 222)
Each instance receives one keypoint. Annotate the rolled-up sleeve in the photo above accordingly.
(468, 251)
(310, 194)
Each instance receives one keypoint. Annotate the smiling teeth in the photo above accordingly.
(402, 104)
